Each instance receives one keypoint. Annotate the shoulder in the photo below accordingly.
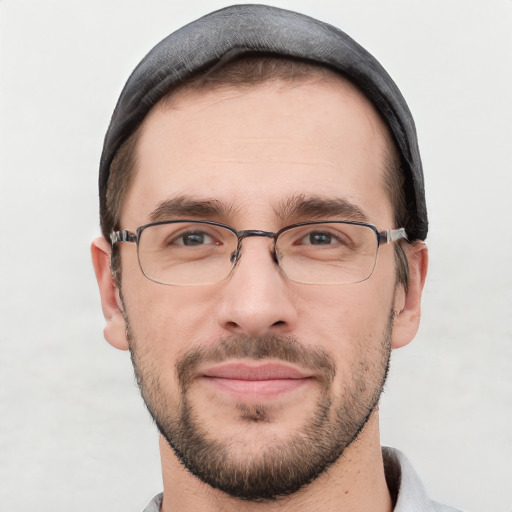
(439, 507)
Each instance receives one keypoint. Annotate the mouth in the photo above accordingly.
(265, 380)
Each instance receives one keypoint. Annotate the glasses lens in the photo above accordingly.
(328, 253)
(186, 253)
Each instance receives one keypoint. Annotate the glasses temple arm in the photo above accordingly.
(122, 236)
(392, 235)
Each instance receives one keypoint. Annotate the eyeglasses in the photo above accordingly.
(191, 253)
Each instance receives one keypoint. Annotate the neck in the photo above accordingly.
(356, 482)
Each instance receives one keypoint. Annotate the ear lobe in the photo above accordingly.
(115, 327)
(408, 303)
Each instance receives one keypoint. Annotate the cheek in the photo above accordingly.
(346, 309)
(166, 320)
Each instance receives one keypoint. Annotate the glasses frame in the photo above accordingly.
(382, 237)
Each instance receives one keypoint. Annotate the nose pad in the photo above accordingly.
(242, 235)
(233, 258)
(275, 258)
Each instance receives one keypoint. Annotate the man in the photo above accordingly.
(263, 218)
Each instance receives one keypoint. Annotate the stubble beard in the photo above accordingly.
(283, 466)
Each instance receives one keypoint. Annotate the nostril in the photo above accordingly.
(279, 322)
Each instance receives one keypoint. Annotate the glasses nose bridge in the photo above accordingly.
(247, 233)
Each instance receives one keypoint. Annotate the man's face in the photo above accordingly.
(259, 383)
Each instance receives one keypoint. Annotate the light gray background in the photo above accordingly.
(74, 434)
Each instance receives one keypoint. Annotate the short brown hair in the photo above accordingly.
(247, 72)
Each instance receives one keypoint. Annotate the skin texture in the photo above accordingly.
(256, 152)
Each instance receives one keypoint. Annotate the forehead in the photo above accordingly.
(255, 147)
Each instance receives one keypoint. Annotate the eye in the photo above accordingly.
(317, 238)
(322, 237)
(193, 238)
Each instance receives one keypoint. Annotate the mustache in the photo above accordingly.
(287, 349)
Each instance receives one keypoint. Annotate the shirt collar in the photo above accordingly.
(404, 484)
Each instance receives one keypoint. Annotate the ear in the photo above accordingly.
(408, 303)
(115, 328)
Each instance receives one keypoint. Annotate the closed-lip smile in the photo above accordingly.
(261, 379)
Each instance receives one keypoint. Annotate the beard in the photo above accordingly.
(280, 466)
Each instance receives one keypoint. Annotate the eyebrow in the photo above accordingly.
(315, 207)
(190, 207)
(295, 208)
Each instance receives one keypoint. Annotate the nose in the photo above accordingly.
(256, 298)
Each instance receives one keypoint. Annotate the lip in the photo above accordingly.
(257, 380)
